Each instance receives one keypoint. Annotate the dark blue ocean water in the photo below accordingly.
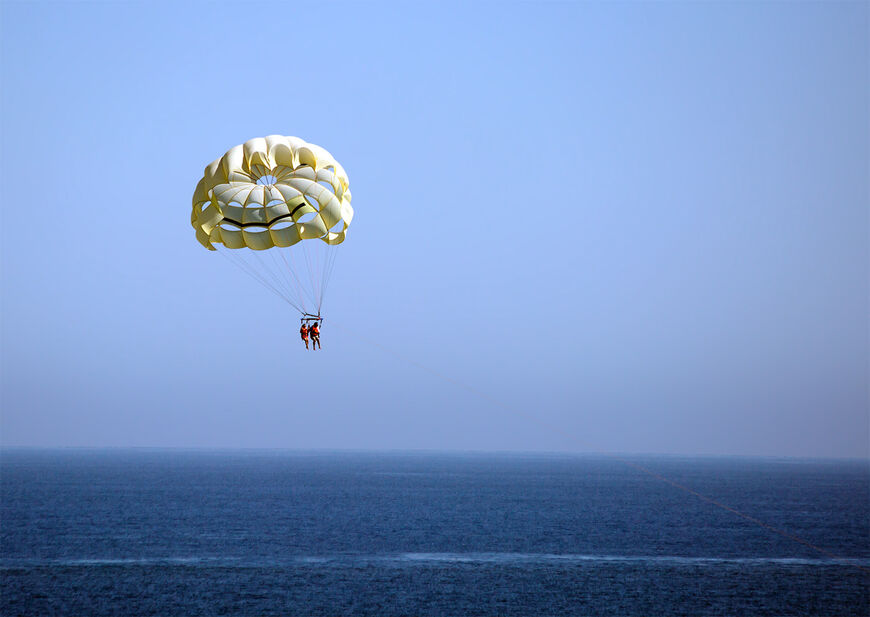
(279, 533)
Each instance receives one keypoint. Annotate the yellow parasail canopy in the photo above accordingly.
(272, 192)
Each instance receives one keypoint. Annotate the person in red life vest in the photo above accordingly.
(315, 336)
(303, 331)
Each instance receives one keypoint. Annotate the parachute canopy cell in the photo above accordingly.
(270, 192)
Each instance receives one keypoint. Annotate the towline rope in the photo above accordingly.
(633, 465)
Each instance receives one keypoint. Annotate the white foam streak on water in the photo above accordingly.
(508, 558)
(420, 559)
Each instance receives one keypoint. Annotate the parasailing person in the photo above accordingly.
(277, 207)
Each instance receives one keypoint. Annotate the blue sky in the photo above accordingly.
(627, 227)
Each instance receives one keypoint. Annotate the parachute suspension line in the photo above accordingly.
(517, 411)
(319, 262)
(273, 276)
(331, 255)
(291, 268)
(285, 277)
(254, 274)
(246, 268)
(276, 275)
(310, 274)
(325, 253)
(293, 282)
(323, 272)
(290, 273)
(309, 267)
(322, 255)
(279, 274)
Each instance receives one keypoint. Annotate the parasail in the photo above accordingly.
(277, 207)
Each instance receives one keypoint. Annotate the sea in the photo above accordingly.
(172, 532)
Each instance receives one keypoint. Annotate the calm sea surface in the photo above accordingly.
(148, 532)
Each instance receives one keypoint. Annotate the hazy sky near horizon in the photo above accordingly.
(632, 227)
